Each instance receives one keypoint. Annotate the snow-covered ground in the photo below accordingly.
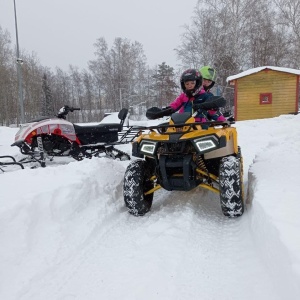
(65, 233)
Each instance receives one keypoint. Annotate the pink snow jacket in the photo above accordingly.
(185, 104)
(182, 101)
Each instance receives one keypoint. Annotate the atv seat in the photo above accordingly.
(100, 133)
(180, 118)
(99, 128)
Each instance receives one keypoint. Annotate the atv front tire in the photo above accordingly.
(231, 186)
(136, 183)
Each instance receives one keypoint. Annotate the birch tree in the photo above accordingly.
(47, 100)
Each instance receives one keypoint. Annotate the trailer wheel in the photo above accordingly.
(136, 183)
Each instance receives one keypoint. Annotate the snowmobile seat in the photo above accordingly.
(100, 133)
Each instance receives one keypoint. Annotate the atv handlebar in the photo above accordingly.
(156, 113)
(65, 110)
(213, 102)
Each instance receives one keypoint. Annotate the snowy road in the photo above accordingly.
(183, 249)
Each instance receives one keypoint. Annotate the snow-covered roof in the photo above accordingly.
(258, 69)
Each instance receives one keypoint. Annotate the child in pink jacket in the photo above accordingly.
(191, 100)
(193, 94)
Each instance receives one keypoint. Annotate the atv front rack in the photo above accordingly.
(161, 128)
(13, 162)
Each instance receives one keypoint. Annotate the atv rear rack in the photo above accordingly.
(163, 127)
(128, 134)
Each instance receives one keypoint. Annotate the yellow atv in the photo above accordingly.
(182, 155)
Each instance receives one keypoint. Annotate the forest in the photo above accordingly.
(230, 35)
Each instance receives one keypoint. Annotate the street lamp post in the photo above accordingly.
(121, 100)
(19, 70)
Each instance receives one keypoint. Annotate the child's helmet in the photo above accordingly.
(191, 75)
(208, 73)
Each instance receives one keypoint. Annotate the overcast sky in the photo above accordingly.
(62, 32)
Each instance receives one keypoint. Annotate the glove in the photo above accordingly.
(156, 113)
(152, 113)
(168, 111)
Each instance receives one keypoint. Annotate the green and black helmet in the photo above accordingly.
(208, 73)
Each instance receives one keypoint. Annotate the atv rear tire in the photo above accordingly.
(231, 186)
(136, 182)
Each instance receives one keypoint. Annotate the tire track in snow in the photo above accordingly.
(184, 242)
(183, 249)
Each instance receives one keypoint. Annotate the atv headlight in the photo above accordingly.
(148, 147)
(206, 144)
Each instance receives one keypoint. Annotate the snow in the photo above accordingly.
(258, 69)
(66, 234)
